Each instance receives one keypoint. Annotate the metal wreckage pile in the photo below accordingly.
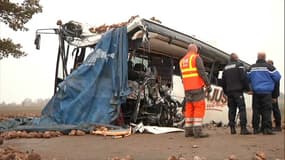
(149, 103)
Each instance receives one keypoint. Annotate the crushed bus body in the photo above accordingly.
(148, 69)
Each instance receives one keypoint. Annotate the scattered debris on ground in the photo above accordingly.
(127, 157)
(1, 140)
(76, 132)
(117, 133)
(232, 157)
(259, 156)
(17, 115)
(24, 134)
(8, 153)
(195, 146)
(101, 130)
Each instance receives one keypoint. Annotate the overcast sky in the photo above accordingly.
(241, 26)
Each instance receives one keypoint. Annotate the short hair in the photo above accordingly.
(233, 57)
(192, 47)
(270, 61)
(261, 55)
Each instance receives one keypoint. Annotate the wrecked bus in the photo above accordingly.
(156, 93)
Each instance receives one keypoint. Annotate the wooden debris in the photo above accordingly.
(8, 153)
(195, 146)
(72, 133)
(1, 140)
(115, 133)
(17, 115)
(172, 158)
(127, 157)
(115, 158)
(197, 158)
(80, 133)
(103, 28)
(76, 133)
(232, 157)
(259, 156)
(24, 134)
(181, 158)
(47, 134)
(33, 156)
(155, 20)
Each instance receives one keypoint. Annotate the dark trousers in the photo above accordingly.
(276, 114)
(236, 100)
(262, 106)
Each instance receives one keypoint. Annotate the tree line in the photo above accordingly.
(27, 102)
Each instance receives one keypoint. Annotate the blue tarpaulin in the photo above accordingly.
(94, 92)
(90, 95)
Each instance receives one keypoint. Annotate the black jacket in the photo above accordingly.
(234, 78)
(276, 91)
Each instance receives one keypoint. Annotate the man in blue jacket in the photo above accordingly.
(263, 78)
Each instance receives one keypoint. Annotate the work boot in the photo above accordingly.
(233, 130)
(197, 130)
(268, 131)
(244, 131)
(277, 129)
(277, 124)
(256, 131)
(189, 132)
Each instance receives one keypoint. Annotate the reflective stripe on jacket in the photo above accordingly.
(263, 77)
(189, 72)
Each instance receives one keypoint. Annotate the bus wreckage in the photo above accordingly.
(127, 73)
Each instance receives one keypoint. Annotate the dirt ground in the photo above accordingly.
(219, 146)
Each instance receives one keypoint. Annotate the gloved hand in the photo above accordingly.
(208, 88)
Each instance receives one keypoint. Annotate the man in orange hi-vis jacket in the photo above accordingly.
(194, 80)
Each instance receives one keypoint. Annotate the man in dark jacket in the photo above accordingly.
(275, 106)
(234, 83)
(263, 78)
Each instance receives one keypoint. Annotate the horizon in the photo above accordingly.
(280, 99)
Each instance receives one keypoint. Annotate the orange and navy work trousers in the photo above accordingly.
(194, 113)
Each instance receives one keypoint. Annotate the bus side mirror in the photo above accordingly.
(37, 41)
